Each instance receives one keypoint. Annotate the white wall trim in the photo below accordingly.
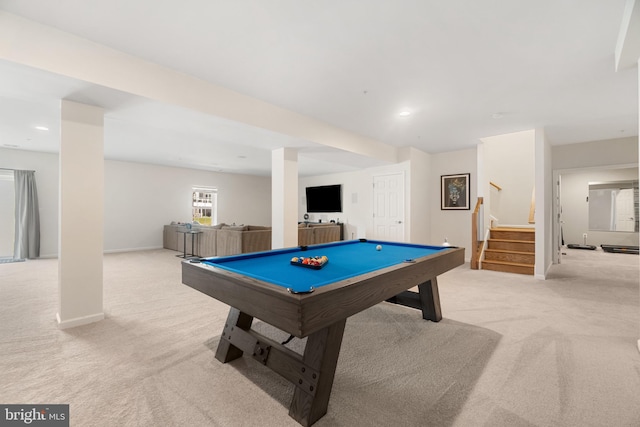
(595, 168)
(79, 321)
(110, 251)
(147, 248)
(543, 276)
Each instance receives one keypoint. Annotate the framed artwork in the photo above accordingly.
(455, 192)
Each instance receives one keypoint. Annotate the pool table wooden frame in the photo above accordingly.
(320, 316)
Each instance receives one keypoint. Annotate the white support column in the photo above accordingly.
(628, 45)
(284, 198)
(81, 216)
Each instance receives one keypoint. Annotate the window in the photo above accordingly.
(205, 205)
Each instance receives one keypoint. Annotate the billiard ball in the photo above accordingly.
(379, 248)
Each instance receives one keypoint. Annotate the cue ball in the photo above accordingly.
(378, 248)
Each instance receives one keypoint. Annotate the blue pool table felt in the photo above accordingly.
(346, 259)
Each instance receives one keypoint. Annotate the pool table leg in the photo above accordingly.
(227, 352)
(430, 300)
(321, 353)
(427, 300)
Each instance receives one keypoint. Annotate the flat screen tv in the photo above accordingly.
(326, 198)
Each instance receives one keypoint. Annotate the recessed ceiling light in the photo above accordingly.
(497, 115)
(404, 113)
(242, 157)
(41, 128)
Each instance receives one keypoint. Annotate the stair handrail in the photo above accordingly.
(496, 186)
(476, 217)
(484, 246)
(532, 207)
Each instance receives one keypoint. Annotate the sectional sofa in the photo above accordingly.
(218, 240)
(223, 239)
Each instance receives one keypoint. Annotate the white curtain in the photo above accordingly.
(27, 235)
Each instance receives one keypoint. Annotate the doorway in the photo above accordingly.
(575, 221)
(7, 213)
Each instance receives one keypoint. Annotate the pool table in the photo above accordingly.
(314, 302)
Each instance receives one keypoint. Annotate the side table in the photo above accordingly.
(194, 234)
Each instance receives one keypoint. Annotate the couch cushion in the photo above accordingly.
(235, 227)
(257, 227)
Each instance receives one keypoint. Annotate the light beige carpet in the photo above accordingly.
(510, 351)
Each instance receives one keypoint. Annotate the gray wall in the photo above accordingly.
(454, 225)
(141, 198)
(621, 151)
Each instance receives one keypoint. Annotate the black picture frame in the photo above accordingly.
(455, 193)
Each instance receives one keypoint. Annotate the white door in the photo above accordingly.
(625, 212)
(388, 207)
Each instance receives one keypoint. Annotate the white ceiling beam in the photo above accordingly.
(29, 43)
(628, 45)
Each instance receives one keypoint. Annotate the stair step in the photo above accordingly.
(526, 234)
(510, 256)
(511, 245)
(525, 229)
(531, 242)
(508, 267)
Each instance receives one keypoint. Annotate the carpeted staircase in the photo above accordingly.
(511, 250)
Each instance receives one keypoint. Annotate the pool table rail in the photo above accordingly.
(272, 304)
(303, 314)
(351, 296)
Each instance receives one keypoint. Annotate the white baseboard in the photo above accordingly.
(110, 251)
(148, 248)
(78, 321)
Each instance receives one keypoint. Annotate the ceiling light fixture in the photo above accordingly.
(404, 113)
(41, 128)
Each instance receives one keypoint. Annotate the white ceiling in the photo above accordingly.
(351, 63)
